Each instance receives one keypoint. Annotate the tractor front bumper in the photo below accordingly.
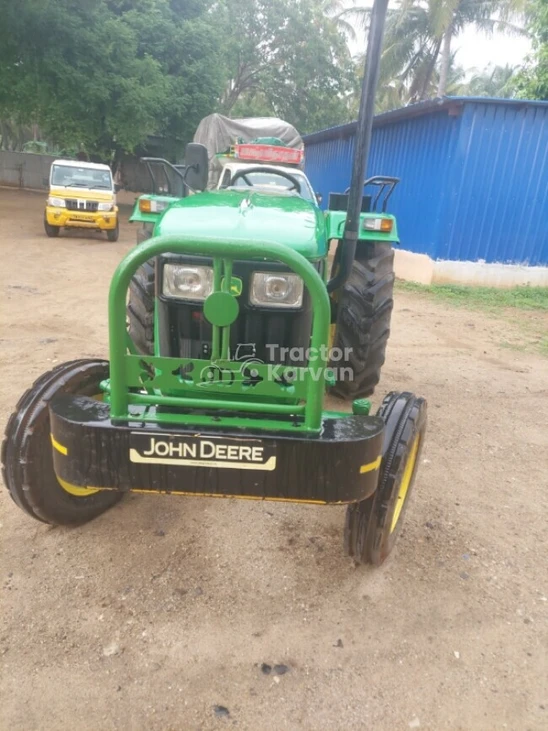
(338, 465)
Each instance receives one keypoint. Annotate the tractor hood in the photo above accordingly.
(222, 214)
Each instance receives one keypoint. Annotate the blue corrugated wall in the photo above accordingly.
(473, 186)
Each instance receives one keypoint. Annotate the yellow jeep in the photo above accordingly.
(81, 195)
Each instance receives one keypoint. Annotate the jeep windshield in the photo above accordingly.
(269, 182)
(69, 176)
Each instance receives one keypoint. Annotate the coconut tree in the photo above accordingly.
(347, 16)
(494, 81)
(419, 35)
(450, 17)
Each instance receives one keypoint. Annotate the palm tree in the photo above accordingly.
(419, 35)
(450, 17)
(347, 16)
(494, 81)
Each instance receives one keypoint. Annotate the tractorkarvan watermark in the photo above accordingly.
(277, 353)
(304, 360)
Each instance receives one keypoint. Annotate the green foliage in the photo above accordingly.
(417, 62)
(286, 58)
(489, 298)
(532, 82)
(494, 81)
(104, 74)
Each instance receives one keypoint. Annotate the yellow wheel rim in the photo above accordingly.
(76, 491)
(405, 482)
(67, 487)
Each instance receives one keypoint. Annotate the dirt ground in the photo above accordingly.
(159, 614)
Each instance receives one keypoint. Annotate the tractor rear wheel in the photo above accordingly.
(373, 525)
(144, 232)
(27, 463)
(364, 309)
(140, 308)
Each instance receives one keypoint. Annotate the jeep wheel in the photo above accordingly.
(364, 309)
(51, 231)
(113, 234)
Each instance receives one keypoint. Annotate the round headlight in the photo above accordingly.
(277, 288)
(271, 289)
(187, 282)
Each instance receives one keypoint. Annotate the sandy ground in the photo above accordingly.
(163, 610)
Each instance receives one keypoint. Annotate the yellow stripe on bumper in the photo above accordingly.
(372, 466)
(57, 446)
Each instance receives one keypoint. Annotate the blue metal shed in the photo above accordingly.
(474, 175)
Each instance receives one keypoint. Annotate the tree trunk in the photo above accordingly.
(425, 89)
(445, 60)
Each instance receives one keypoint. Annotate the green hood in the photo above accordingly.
(286, 219)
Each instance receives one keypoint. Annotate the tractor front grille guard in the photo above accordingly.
(138, 383)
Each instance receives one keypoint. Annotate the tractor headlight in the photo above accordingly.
(56, 202)
(384, 225)
(187, 282)
(105, 206)
(273, 289)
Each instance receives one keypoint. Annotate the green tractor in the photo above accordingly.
(216, 388)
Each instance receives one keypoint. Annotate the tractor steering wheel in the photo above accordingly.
(265, 169)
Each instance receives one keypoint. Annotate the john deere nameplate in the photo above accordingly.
(241, 454)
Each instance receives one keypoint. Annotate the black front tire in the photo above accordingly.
(364, 309)
(114, 234)
(51, 231)
(27, 462)
(373, 525)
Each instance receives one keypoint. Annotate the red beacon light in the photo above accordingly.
(269, 153)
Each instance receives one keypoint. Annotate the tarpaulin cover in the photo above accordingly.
(218, 133)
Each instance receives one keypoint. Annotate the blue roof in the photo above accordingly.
(417, 110)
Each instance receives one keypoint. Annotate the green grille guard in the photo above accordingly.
(139, 382)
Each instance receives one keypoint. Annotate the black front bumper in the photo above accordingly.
(340, 465)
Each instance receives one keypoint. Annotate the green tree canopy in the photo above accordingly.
(532, 82)
(418, 62)
(286, 58)
(106, 73)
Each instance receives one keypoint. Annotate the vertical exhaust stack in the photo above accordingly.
(362, 142)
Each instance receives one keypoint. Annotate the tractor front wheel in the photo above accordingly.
(373, 525)
(27, 462)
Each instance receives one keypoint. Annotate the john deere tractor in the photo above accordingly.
(217, 387)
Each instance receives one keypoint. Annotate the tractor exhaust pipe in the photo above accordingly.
(362, 142)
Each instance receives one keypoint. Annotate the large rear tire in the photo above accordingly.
(27, 463)
(364, 309)
(140, 308)
(373, 525)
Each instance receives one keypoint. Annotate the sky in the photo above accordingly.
(475, 50)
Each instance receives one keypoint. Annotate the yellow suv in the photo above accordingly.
(81, 195)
